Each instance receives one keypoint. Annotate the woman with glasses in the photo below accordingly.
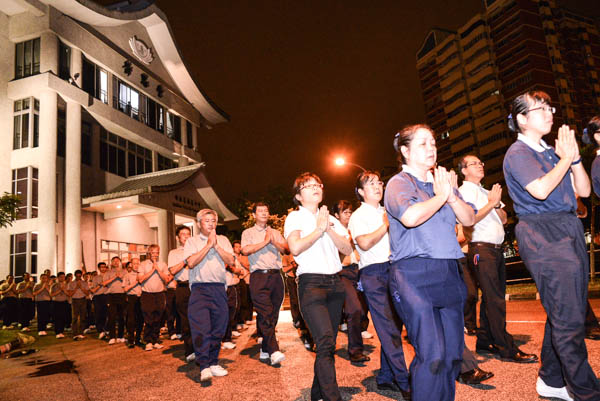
(315, 239)
(424, 279)
(543, 183)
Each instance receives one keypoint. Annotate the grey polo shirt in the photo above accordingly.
(116, 286)
(268, 256)
(42, 296)
(154, 283)
(28, 293)
(130, 278)
(211, 268)
(9, 294)
(97, 281)
(61, 297)
(175, 257)
(78, 294)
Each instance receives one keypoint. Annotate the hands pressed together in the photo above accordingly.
(566, 145)
(444, 183)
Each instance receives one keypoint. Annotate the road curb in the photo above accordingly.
(536, 295)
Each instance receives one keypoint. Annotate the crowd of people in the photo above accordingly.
(404, 263)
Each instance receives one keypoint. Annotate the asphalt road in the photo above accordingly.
(92, 370)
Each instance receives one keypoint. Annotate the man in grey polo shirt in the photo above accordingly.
(263, 246)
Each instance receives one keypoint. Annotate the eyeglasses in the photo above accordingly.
(374, 183)
(311, 186)
(545, 108)
(479, 163)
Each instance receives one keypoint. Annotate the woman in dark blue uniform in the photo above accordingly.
(424, 279)
(542, 182)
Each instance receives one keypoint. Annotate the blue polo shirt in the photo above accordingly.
(525, 162)
(435, 238)
(596, 174)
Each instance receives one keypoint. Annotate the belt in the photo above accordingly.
(267, 271)
(486, 245)
(183, 284)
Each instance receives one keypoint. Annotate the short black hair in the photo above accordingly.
(362, 179)
(521, 104)
(340, 206)
(60, 274)
(181, 227)
(258, 204)
(102, 263)
(78, 272)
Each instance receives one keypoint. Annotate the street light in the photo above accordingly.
(340, 161)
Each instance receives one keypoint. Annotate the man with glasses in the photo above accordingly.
(263, 246)
(486, 259)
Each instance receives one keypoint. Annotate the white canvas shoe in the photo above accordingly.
(228, 345)
(263, 355)
(158, 346)
(191, 357)
(545, 390)
(236, 333)
(343, 327)
(42, 333)
(149, 347)
(120, 340)
(218, 370)
(277, 357)
(174, 337)
(365, 334)
(61, 335)
(101, 335)
(259, 340)
(205, 375)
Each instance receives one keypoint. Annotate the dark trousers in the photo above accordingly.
(182, 297)
(292, 288)
(429, 296)
(245, 302)
(321, 302)
(153, 307)
(590, 318)
(43, 314)
(116, 314)
(60, 311)
(469, 361)
(470, 279)
(487, 262)
(135, 319)
(374, 282)
(267, 290)
(90, 313)
(79, 313)
(100, 309)
(69, 317)
(353, 309)
(232, 306)
(11, 310)
(26, 308)
(552, 246)
(207, 313)
(170, 315)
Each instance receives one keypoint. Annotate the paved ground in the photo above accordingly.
(91, 370)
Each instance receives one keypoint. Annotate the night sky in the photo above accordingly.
(305, 81)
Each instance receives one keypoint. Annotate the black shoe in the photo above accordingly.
(521, 357)
(406, 394)
(490, 349)
(471, 332)
(359, 358)
(130, 345)
(593, 333)
(474, 376)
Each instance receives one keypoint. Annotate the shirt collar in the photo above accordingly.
(465, 182)
(537, 147)
(411, 171)
(379, 207)
(257, 228)
(305, 210)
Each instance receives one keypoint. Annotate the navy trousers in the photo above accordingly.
(552, 246)
(135, 319)
(353, 309)
(233, 305)
(374, 282)
(267, 292)
(470, 278)
(100, 312)
(208, 317)
(43, 314)
(429, 296)
(182, 298)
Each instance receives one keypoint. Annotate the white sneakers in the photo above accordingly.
(277, 357)
(174, 337)
(259, 340)
(205, 375)
(78, 337)
(545, 390)
(263, 355)
(218, 371)
(25, 329)
(61, 335)
(343, 327)
(112, 341)
(236, 333)
(87, 331)
(366, 334)
(42, 333)
(190, 358)
(120, 340)
(101, 335)
(158, 346)
(149, 347)
(228, 345)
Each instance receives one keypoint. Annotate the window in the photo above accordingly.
(189, 134)
(122, 157)
(94, 80)
(128, 100)
(164, 163)
(139, 159)
(174, 126)
(124, 250)
(27, 58)
(25, 185)
(64, 61)
(26, 134)
(61, 134)
(23, 253)
(86, 143)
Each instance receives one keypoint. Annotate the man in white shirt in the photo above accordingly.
(486, 259)
(263, 246)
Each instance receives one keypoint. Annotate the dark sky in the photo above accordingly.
(304, 81)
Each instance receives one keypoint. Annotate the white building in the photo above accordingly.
(102, 127)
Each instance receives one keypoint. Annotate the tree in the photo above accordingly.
(9, 206)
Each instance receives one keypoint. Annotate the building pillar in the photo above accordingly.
(163, 234)
(195, 139)
(47, 181)
(48, 53)
(76, 65)
(73, 188)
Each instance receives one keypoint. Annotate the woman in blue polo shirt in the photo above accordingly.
(424, 279)
(541, 181)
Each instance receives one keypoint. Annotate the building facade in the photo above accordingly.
(106, 127)
(470, 76)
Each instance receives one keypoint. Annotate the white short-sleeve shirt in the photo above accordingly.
(489, 229)
(323, 256)
(365, 220)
